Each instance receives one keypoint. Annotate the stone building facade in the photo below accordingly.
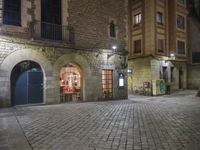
(89, 36)
(194, 44)
(158, 47)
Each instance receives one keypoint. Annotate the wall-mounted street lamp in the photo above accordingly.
(172, 55)
(114, 47)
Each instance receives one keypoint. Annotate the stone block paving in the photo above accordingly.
(140, 123)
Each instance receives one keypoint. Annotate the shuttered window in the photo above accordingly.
(196, 57)
(181, 47)
(12, 12)
(51, 11)
(160, 45)
(137, 46)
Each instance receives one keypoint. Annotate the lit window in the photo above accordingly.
(196, 57)
(159, 18)
(181, 1)
(130, 71)
(180, 22)
(112, 29)
(137, 46)
(12, 12)
(181, 47)
(138, 19)
(160, 45)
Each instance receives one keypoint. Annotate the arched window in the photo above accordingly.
(12, 12)
(112, 29)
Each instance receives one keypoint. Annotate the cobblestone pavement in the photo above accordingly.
(140, 123)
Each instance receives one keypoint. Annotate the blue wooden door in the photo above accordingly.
(28, 88)
(35, 87)
(20, 95)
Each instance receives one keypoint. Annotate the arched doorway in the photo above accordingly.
(26, 83)
(71, 83)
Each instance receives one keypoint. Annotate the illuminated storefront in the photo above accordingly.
(70, 83)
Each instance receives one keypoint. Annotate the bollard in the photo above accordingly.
(198, 93)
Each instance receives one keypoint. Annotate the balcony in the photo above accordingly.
(52, 32)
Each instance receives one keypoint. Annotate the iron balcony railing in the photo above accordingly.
(52, 32)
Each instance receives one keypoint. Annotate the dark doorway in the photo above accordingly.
(180, 78)
(26, 83)
(165, 74)
(51, 27)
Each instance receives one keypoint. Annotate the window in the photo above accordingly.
(107, 84)
(172, 74)
(112, 29)
(138, 19)
(51, 27)
(160, 45)
(196, 57)
(165, 74)
(181, 47)
(137, 46)
(181, 2)
(159, 18)
(12, 12)
(51, 11)
(180, 22)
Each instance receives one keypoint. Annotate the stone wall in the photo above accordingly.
(194, 46)
(52, 59)
(149, 68)
(141, 72)
(90, 20)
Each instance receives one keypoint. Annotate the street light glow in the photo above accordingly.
(114, 47)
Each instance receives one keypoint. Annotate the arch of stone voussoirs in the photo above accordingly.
(78, 60)
(15, 58)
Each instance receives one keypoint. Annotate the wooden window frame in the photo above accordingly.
(184, 46)
(135, 51)
(15, 10)
(107, 84)
(159, 14)
(137, 19)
